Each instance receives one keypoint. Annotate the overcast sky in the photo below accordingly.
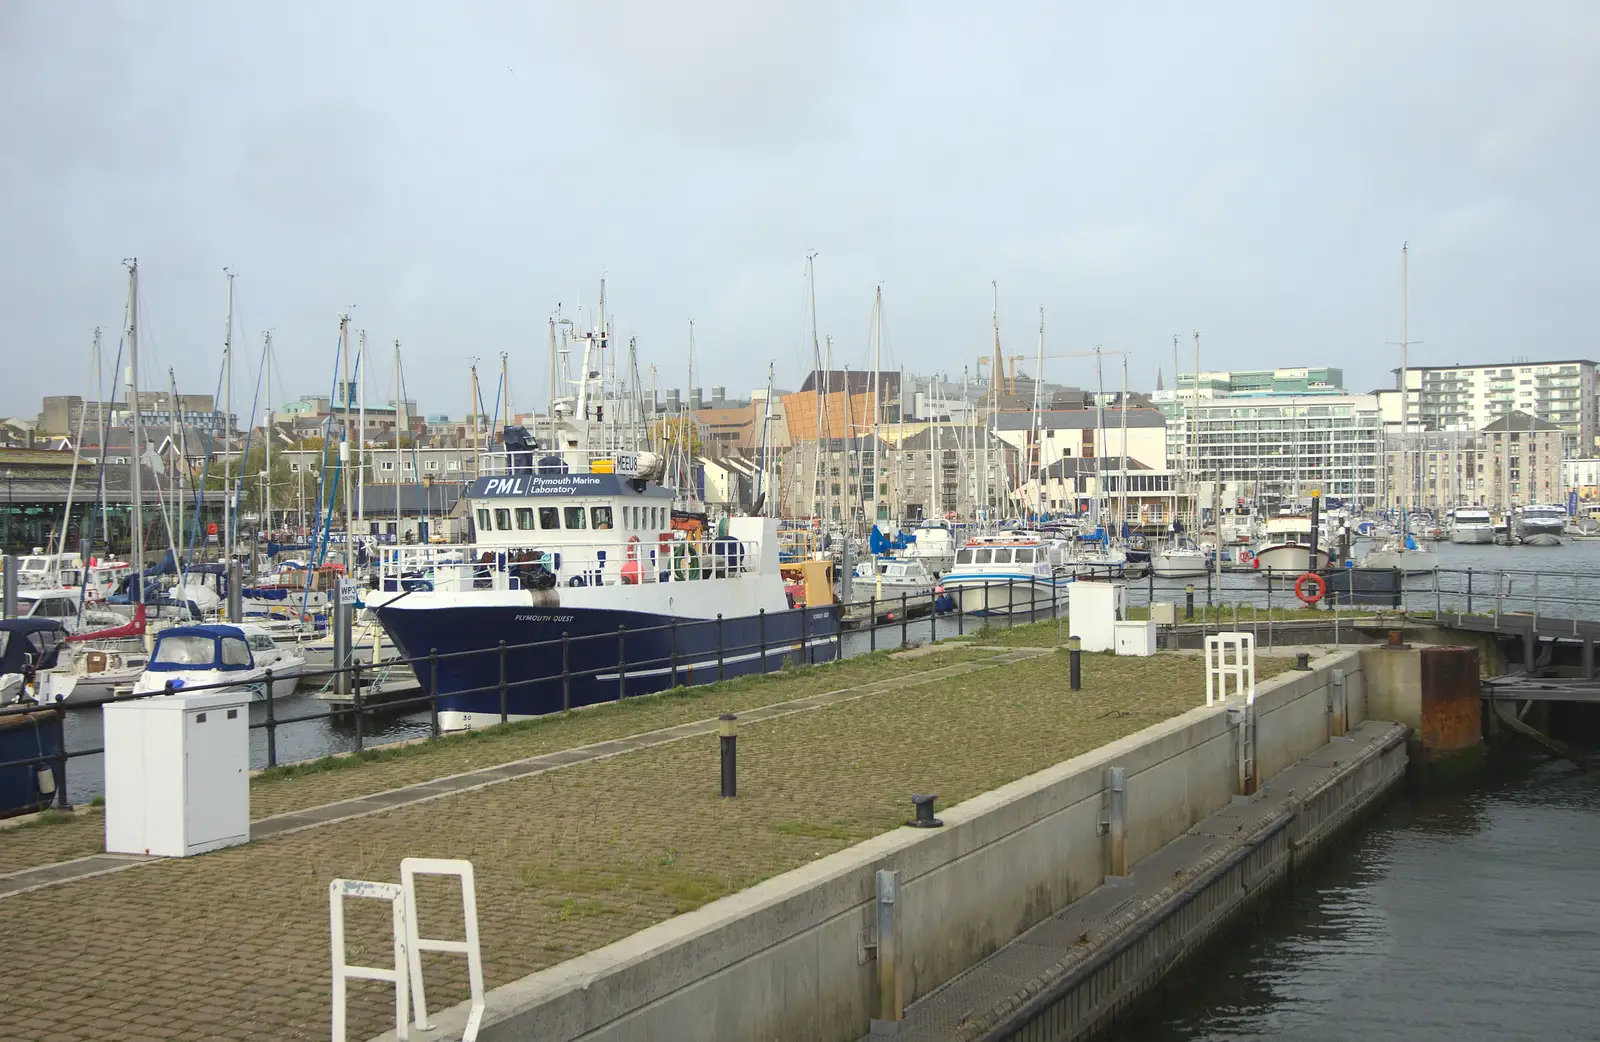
(456, 171)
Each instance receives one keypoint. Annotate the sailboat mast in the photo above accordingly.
(1194, 433)
(877, 405)
(996, 371)
(227, 426)
(1405, 393)
(399, 410)
(175, 432)
(77, 452)
(1038, 404)
(505, 395)
(1099, 436)
(266, 438)
(100, 424)
(824, 442)
(344, 441)
(1122, 478)
(137, 432)
(474, 408)
(361, 430)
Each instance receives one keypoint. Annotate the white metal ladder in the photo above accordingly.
(338, 890)
(1230, 657)
(410, 868)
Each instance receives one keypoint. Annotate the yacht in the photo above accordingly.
(889, 578)
(28, 652)
(933, 543)
(1007, 574)
(1471, 525)
(235, 656)
(1285, 548)
(1540, 525)
(1179, 561)
(1400, 553)
(597, 588)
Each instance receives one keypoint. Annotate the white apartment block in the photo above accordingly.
(1278, 449)
(1471, 397)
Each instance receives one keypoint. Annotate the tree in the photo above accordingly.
(675, 434)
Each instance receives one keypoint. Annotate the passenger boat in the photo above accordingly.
(594, 585)
(1540, 525)
(1008, 574)
(1471, 526)
(235, 656)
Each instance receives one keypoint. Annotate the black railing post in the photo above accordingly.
(433, 687)
(1208, 583)
(672, 653)
(1188, 601)
(355, 697)
(761, 630)
(719, 646)
(272, 726)
(872, 623)
(1469, 592)
(961, 614)
(805, 634)
(1011, 602)
(1151, 575)
(622, 661)
(728, 747)
(505, 714)
(933, 616)
(566, 671)
(905, 621)
(59, 768)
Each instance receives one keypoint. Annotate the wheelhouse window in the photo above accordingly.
(549, 518)
(982, 555)
(1002, 555)
(600, 516)
(261, 642)
(235, 652)
(573, 516)
(483, 519)
(1025, 555)
(187, 650)
(502, 519)
(524, 519)
(963, 557)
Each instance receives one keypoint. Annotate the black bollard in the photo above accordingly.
(1188, 601)
(728, 729)
(1075, 662)
(924, 819)
(1302, 660)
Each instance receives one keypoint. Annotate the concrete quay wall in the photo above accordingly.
(791, 958)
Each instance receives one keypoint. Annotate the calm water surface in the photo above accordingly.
(1450, 917)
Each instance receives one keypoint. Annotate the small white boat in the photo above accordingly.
(1178, 562)
(1471, 526)
(888, 578)
(1396, 555)
(934, 545)
(1285, 550)
(234, 656)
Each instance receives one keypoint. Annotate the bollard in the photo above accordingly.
(923, 804)
(1188, 601)
(728, 743)
(1075, 662)
(272, 724)
(235, 591)
(341, 645)
(1302, 660)
(891, 1003)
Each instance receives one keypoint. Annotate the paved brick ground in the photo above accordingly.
(233, 945)
(312, 785)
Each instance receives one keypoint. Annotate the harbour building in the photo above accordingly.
(1471, 397)
(1276, 450)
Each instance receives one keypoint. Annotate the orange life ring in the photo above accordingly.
(1314, 580)
(633, 548)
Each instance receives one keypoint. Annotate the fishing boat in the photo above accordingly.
(1540, 525)
(890, 578)
(1012, 573)
(596, 587)
(237, 657)
(1471, 526)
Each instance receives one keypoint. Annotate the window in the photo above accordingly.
(262, 642)
(1002, 555)
(452, 465)
(982, 555)
(963, 556)
(549, 518)
(387, 464)
(524, 519)
(187, 650)
(502, 519)
(235, 652)
(433, 464)
(600, 517)
(1025, 555)
(574, 517)
(483, 519)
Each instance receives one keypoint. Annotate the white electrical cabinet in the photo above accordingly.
(1095, 608)
(1136, 638)
(177, 770)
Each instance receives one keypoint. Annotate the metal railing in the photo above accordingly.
(626, 562)
(846, 629)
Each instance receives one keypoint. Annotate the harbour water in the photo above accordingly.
(1449, 916)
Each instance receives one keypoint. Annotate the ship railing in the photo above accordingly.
(1228, 601)
(633, 562)
(541, 461)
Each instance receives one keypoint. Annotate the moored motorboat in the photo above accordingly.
(232, 657)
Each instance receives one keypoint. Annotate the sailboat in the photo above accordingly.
(1400, 551)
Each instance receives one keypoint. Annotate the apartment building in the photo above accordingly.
(929, 470)
(1444, 469)
(1278, 449)
(1471, 397)
(1521, 462)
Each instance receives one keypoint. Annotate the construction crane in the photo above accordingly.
(1011, 377)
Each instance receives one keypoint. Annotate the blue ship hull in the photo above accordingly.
(607, 655)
